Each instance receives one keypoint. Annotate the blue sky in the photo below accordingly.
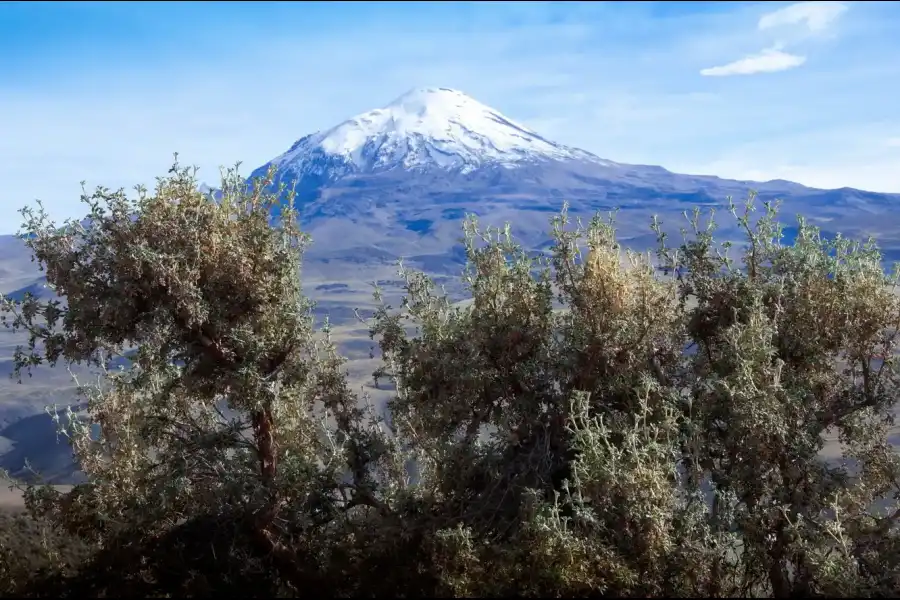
(106, 91)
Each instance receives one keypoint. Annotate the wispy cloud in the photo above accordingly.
(816, 16)
(770, 60)
(812, 18)
(105, 92)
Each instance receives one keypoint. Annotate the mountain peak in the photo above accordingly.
(434, 100)
(430, 127)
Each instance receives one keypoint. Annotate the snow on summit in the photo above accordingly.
(427, 127)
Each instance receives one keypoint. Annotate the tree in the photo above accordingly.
(230, 405)
(686, 413)
(595, 422)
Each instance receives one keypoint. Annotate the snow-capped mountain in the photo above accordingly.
(425, 128)
(396, 181)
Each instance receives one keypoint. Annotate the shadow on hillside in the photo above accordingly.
(37, 454)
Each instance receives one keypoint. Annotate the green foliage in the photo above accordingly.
(594, 423)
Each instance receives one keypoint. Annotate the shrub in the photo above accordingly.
(594, 423)
(30, 550)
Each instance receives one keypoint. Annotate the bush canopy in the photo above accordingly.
(595, 422)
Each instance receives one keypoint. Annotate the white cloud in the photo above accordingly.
(816, 16)
(770, 60)
(810, 17)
